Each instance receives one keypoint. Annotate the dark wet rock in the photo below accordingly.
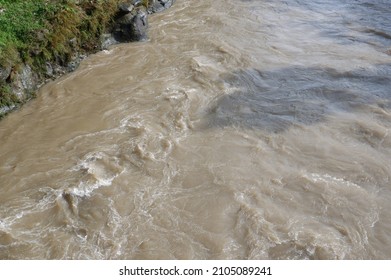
(131, 26)
(156, 6)
(131, 21)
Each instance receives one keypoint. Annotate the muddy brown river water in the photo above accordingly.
(255, 129)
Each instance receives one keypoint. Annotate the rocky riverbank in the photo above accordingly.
(77, 29)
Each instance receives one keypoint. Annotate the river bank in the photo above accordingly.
(42, 40)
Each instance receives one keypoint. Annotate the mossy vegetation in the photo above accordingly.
(40, 31)
(7, 98)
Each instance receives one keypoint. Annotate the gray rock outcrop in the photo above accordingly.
(159, 5)
(131, 21)
(131, 26)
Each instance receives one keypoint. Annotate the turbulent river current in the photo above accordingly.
(257, 129)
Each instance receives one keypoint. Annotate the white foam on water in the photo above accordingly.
(326, 178)
(103, 168)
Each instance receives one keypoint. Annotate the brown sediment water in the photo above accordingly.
(239, 130)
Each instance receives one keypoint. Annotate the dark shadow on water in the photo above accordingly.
(276, 100)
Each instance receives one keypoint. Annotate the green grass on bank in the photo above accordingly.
(19, 20)
(32, 31)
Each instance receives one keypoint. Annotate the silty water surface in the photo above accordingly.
(240, 130)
